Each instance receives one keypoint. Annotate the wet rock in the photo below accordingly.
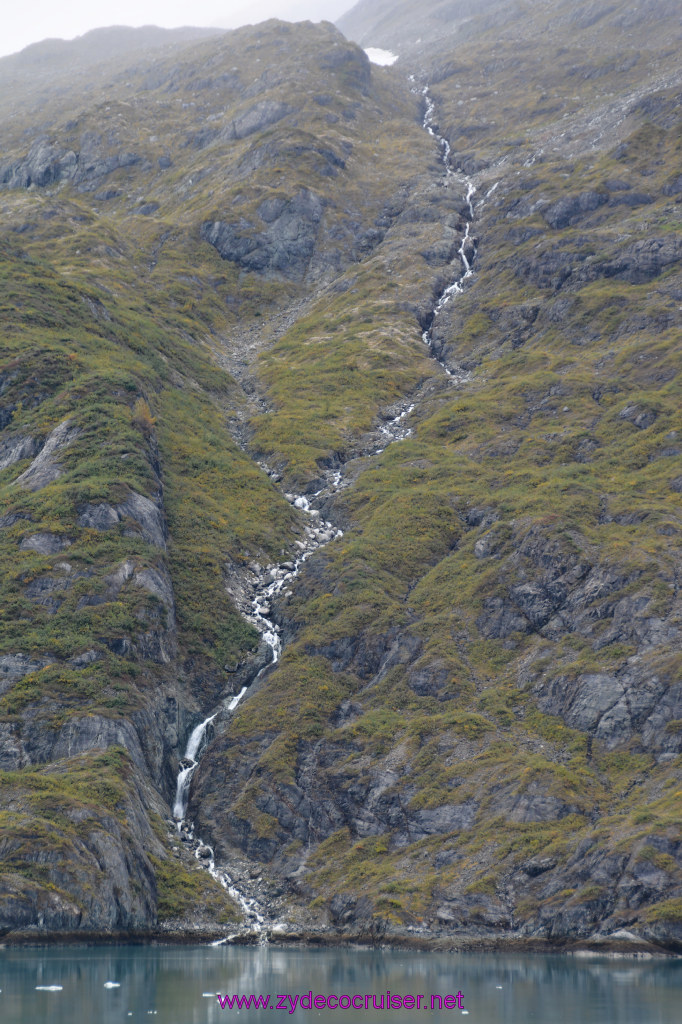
(469, 246)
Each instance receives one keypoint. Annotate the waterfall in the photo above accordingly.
(187, 770)
(270, 582)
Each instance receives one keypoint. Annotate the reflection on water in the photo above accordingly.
(179, 985)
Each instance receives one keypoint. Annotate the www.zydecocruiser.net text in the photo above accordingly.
(385, 1001)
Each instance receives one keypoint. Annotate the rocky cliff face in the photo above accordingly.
(439, 302)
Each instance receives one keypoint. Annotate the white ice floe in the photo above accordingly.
(112, 984)
(383, 57)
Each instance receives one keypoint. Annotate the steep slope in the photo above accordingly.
(474, 727)
(126, 503)
(446, 309)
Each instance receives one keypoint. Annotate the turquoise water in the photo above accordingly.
(179, 985)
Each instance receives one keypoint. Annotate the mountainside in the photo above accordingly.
(340, 472)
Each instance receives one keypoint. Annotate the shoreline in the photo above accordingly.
(464, 943)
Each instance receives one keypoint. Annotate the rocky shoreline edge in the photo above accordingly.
(463, 942)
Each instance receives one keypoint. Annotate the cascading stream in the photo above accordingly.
(188, 766)
(271, 582)
(467, 249)
(278, 579)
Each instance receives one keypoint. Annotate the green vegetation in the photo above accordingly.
(183, 894)
(451, 719)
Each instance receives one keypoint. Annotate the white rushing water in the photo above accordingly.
(188, 766)
(248, 905)
(382, 57)
(269, 583)
(467, 251)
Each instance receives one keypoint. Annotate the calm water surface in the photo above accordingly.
(179, 985)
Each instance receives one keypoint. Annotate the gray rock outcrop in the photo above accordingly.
(45, 468)
(284, 247)
(144, 513)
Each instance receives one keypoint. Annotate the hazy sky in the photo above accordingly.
(29, 22)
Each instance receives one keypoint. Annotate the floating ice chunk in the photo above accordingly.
(112, 984)
(382, 57)
(49, 988)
